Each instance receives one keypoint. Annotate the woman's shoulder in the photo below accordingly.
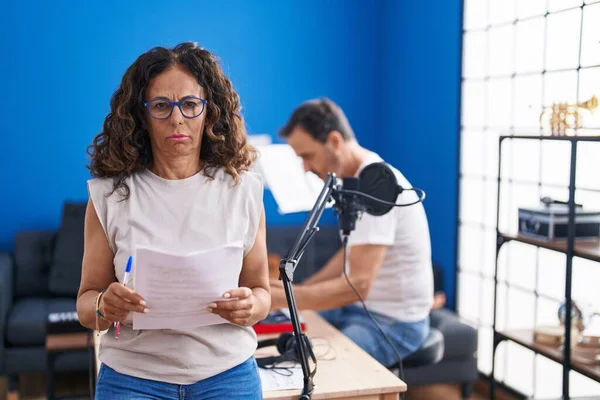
(252, 178)
(104, 185)
(246, 179)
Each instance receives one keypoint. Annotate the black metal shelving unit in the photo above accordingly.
(590, 251)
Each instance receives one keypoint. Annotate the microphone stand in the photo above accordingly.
(288, 265)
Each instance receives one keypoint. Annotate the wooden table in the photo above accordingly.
(351, 374)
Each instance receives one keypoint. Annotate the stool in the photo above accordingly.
(431, 352)
(65, 333)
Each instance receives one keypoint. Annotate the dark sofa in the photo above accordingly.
(42, 275)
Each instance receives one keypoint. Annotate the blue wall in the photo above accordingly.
(67, 58)
(63, 60)
(420, 111)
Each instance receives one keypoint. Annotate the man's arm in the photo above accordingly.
(365, 262)
(333, 269)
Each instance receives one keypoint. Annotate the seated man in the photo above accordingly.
(389, 256)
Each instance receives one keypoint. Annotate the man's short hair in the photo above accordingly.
(318, 117)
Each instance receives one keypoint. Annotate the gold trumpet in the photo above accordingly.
(565, 116)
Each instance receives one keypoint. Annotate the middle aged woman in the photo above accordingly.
(171, 171)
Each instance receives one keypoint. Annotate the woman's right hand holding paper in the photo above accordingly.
(118, 301)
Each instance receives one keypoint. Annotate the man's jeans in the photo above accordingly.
(238, 383)
(355, 323)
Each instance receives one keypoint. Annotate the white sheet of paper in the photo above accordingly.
(293, 189)
(292, 378)
(179, 288)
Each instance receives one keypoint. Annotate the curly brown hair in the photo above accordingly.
(123, 147)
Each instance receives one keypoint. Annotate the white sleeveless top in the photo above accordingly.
(183, 216)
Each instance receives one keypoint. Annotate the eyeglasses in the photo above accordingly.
(161, 108)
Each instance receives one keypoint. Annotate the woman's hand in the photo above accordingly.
(242, 311)
(118, 301)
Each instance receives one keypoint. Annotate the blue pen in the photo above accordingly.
(125, 282)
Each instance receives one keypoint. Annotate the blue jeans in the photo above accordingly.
(353, 321)
(240, 382)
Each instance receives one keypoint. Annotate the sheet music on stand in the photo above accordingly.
(293, 189)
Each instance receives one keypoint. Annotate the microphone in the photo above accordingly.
(374, 191)
(347, 206)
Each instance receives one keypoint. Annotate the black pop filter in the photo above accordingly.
(379, 181)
